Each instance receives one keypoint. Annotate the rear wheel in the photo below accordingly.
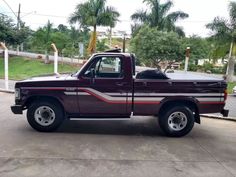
(177, 121)
(45, 116)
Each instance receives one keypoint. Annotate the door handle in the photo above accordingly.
(144, 84)
(121, 83)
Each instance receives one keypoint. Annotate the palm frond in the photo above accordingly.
(140, 16)
(232, 14)
(157, 15)
(164, 8)
(220, 28)
(152, 3)
(175, 16)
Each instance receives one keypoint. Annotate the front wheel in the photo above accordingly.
(45, 116)
(177, 121)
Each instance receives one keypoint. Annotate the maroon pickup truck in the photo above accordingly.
(107, 88)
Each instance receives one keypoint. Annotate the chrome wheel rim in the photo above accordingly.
(44, 116)
(177, 121)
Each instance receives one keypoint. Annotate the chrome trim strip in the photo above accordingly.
(70, 93)
(148, 98)
(99, 119)
(83, 94)
(209, 99)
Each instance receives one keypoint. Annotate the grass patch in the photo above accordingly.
(23, 68)
(231, 85)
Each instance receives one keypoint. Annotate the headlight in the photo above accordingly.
(17, 93)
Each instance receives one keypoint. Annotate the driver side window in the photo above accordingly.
(106, 67)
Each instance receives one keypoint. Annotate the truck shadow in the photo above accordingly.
(135, 126)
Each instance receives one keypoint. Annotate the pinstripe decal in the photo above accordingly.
(178, 94)
(140, 98)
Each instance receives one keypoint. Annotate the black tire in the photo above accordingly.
(54, 108)
(167, 124)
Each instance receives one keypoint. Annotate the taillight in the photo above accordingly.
(225, 95)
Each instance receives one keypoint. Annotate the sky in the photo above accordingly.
(36, 13)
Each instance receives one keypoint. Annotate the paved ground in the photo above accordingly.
(231, 106)
(133, 148)
(11, 84)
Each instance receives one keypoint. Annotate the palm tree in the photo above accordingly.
(158, 16)
(112, 21)
(224, 33)
(94, 13)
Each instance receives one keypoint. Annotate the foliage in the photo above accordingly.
(60, 39)
(101, 45)
(9, 32)
(224, 32)
(157, 16)
(231, 85)
(199, 47)
(152, 46)
(22, 68)
(193, 67)
(93, 13)
(207, 66)
(66, 39)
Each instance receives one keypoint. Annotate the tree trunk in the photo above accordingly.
(110, 36)
(93, 40)
(231, 62)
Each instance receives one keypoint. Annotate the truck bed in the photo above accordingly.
(192, 77)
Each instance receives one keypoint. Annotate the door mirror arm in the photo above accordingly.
(92, 74)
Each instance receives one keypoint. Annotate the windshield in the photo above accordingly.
(76, 73)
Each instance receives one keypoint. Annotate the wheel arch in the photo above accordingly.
(34, 98)
(190, 103)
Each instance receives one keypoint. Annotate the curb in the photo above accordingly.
(7, 91)
(211, 116)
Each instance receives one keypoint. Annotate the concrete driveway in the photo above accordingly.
(134, 148)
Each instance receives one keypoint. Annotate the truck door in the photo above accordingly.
(104, 87)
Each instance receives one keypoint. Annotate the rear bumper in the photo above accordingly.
(225, 113)
(17, 109)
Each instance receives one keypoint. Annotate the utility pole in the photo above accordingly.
(18, 17)
(18, 27)
(124, 42)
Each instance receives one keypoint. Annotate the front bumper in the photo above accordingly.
(225, 113)
(17, 109)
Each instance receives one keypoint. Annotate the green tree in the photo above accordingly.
(157, 16)
(152, 46)
(101, 45)
(224, 33)
(41, 40)
(61, 40)
(199, 47)
(62, 28)
(7, 30)
(94, 13)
